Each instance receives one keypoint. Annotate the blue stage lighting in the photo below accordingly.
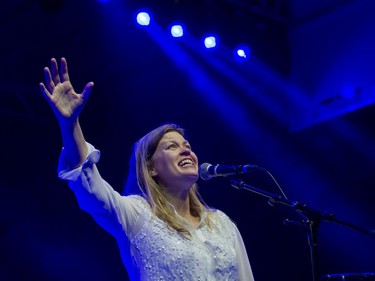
(242, 53)
(210, 42)
(177, 30)
(143, 18)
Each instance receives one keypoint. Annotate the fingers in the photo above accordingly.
(45, 92)
(87, 90)
(54, 71)
(48, 78)
(52, 76)
(64, 70)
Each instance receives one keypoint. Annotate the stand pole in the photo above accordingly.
(312, 219)
(312, 240)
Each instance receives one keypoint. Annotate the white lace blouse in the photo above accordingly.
(150, 250)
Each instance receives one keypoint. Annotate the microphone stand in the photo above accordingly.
(312, 219)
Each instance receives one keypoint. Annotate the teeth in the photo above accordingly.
(185, 162)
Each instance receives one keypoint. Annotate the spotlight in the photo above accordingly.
(177, 30)
(210, 42)
(143, 18)
(242, 53)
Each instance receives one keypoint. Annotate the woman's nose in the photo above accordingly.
(185, 151)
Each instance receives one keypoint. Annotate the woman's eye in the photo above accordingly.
(175, 146)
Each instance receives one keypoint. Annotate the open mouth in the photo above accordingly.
(186, 162)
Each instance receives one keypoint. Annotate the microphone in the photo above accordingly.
(208, 171)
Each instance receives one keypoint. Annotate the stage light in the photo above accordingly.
(210, 42)
(143, 18)
(242, 53)
(177, 30)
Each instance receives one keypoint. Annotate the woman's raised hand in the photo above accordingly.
(59, 92)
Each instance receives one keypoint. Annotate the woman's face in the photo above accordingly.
(174, 163)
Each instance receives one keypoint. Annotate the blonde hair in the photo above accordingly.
(151, 189)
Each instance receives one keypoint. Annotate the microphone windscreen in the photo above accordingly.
(204, 171)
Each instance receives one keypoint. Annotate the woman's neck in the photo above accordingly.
(180, 202)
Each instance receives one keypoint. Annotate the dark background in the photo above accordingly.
(302, 107)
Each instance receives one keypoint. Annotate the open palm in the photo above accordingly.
(65, 102)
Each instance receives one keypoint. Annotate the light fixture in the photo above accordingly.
(143, 18)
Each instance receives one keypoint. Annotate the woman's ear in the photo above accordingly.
(152, 170)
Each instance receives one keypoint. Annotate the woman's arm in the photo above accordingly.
(77, 160)
(67, 106)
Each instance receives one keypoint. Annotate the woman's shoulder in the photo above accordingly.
(136, 199)
(219, 216)
(136, 202)
(216, 212)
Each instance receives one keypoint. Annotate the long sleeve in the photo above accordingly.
(244, 268)
(148, 246)
(113, 212)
